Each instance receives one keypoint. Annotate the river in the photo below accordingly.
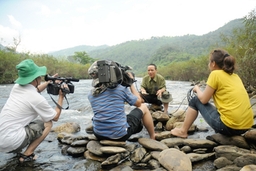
(50, 157)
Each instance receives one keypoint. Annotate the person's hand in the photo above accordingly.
(159, 93)
(195, 89)
(63, 90)
(143, 91)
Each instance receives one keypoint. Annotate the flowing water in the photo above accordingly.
(50, 157)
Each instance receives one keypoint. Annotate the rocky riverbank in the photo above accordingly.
(68, 147)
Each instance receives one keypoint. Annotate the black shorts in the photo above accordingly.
(151, 98)
(134, 122)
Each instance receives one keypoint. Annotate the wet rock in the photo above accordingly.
(186, 149)
(229, 168)
(249, 168)
(200, 150)
(130, 147)
(94, 148)
(138, 154)
(91, 156)
(245, 160)
(175, 160)
(178, 116)
(238, 141)
(152, 144)
(155, 154)
(112, 160)
(195, 157)
(122, 168)
(222, 162)
(163, 135)
(89, 129)
(79, 143)
(146, 158)
(112, 150)
(76, 151)
(154, 164)
(113, 143)
(159, 126)
(69, 127)
(251, 135)
(230, 152)
(199, 143)
(160, 116)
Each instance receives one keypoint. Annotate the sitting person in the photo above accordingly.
(18, 127)
(232, 113)
(152, 89)
(110, 120)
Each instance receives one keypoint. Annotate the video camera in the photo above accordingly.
(53, 88)
(112, 73)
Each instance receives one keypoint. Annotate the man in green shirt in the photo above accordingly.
(153, 89)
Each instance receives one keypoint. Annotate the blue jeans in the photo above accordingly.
(212, 117)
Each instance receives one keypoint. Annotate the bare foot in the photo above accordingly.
(179, 133)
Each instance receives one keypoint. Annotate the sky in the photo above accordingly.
(44, 26)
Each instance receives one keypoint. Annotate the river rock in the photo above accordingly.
(91, 156)
(76, 151)
(152, 144)
(163, 135)
(154, 164)
(79, 143)
(245, 160)
(175, 160)
(251, 135)
(155, 154)
(229, 168)
(160, 116)
(230, 152)
(177, 116)
(112, 150)
(94, 147)
(110, 161)
(194, 157)
(113, 143)
(138, 154)
(69, 127)
(222, 162)
(249, 168)
(238, 141)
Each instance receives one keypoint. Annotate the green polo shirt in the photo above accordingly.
(153, 85)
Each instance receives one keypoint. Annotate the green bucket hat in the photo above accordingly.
(28, 71)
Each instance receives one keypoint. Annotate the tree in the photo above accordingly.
(82, 57)
(242, 45)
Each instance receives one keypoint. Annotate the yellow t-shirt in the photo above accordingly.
(231, 100)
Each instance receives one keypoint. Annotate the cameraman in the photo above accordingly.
(18, 128)
(110, 120)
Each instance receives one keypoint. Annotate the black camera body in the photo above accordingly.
(112, 73)
(53, 88)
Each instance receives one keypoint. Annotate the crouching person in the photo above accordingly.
(19, 125)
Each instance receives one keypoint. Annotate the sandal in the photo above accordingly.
(25, 158)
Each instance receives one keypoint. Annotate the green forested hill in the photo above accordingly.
(70, 51)
(158, 50)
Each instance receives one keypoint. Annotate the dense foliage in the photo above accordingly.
(64, 68)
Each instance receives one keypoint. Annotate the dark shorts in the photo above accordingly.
(33, 131)
(151, 98)
(134, 121)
